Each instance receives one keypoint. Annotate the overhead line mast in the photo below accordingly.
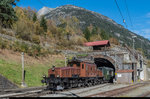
(121, 13)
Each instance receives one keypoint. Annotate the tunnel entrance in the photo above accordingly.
(101, 62)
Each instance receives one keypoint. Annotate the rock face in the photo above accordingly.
(86, 18)
(6, 84)
(69, 10)
(44, 11)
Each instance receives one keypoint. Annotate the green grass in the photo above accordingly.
(11, 70)
(34, 73)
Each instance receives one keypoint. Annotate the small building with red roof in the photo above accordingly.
(98, 45)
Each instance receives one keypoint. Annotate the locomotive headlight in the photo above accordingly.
(44, 76)
(58, 76)
(53, 68)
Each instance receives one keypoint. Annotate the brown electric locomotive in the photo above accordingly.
(77, 73)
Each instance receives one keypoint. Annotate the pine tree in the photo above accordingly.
(34, 17)
(43, 24)
(7, 13)
(87, 34)
(95, 30)
(104, 35)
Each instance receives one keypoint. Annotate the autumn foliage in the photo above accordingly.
(45, 33)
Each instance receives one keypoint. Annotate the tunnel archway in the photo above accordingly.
(100, 62)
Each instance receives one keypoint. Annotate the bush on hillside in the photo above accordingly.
(36, 39)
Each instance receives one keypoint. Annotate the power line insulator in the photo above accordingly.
(124, 21)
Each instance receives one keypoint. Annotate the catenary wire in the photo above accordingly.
(128, 13)
(121, 13)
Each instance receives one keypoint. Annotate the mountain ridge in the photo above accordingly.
(44, 11)
(87, 17)
(75, 7)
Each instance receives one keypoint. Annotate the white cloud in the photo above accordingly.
(136, 31)
(147, 31)
(144, 32)
(146, 36)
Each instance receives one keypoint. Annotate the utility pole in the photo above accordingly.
(134, 66)
(133, 47)
(23, 75)
(115, 60)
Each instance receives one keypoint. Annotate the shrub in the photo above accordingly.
(24, 47)
(16, 46)
(3, 44)
(36, 39)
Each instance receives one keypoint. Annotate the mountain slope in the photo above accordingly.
(44, 11)
(87, 17)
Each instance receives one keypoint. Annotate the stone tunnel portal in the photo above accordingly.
(100, 62)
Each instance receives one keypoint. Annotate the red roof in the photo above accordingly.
(105, 42)
(124, 71)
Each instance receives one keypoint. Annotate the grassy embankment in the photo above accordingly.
(10, 67)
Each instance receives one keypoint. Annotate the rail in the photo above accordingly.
(118, 91)
(22, 91)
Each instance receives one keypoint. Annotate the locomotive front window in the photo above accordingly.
(78, 64)
(71, 64)
(82, 66)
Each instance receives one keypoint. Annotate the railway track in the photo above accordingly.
(77, 91)
(147, 94)
(74, 92)
(82, 92)
(21, 91)
(93, 88)
(35, 92)
(118, 91)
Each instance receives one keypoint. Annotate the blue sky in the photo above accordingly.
(139, 11)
